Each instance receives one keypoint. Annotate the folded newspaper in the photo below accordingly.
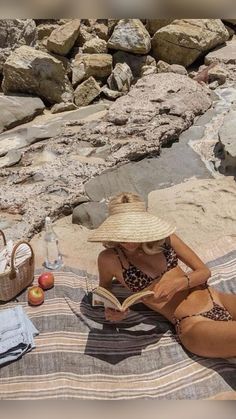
(22, 253)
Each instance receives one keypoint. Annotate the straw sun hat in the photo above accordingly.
(131, 222)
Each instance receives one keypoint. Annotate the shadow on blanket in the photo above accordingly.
(126, 339)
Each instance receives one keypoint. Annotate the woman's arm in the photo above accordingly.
(200, 273)
(105, 269)
(168, 285)
(107, 265)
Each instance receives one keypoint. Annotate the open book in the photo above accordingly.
(101, 296)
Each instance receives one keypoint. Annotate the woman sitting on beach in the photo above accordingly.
(142, 252)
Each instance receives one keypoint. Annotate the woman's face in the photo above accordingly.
(130, 246)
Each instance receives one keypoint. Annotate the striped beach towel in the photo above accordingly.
(79, 355)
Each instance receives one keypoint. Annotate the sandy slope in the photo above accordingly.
(204, 211)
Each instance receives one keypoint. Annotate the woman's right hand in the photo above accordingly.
(115, 315)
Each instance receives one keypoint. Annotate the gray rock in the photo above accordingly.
(95, 46)
(45, 29)
(229, 94)
(62, 39)
(213, 85)
(101, 30)
(184, 40)
(207, 117)
(16, 110)
(10, 159)
(225, 54)
(90, 214)
(194, 133)
(83, 36)
(65, 62)
(217, 73)
(228, 141)
(35, 72)
(63, 107)
(29, 134)
(130, 35)
(13, 34)
(86, 92)
(120, 78)
(178, 69)
(175, 166)
(148, 69)
(134, 61)
(111, 94)
(95, 65)
(162, 66)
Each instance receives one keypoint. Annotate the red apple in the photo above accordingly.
(35, 296)
(46, 280)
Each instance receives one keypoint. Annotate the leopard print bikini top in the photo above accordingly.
(136, 279)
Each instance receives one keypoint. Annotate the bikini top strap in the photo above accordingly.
(118, 255)
(167, 243)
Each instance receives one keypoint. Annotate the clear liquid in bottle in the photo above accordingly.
(53, 258)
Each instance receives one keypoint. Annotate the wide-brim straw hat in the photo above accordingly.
(131, 222)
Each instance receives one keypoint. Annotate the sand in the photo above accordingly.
(204, 211)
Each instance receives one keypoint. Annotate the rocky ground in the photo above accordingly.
(169, 134)
(50, 176)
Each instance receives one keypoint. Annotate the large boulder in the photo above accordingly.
(183, 41)
(154, 25)
(17, 110)
(63, 38)
(13, 34)
(86, 92)
(86, 65)
(35, 72)
(154, 112)
(130, 35)
(226, 54)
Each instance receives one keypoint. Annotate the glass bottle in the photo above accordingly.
(53, 257)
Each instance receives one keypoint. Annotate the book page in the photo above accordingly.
(135, 298)
(106, 297)
(98, 300)
(102, 296)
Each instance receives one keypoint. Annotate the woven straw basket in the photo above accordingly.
(14, 280)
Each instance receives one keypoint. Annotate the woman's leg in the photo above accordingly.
(209, 338)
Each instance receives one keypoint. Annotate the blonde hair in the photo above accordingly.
(124, 198)
(150, 248)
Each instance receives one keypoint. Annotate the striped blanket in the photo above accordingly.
(80, 355)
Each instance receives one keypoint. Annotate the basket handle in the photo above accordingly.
(13, 270)
(3, 236)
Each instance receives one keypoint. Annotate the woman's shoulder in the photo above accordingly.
(107, 255)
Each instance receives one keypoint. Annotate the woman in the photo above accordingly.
(142, 252)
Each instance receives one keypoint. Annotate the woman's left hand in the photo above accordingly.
(167, 287)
